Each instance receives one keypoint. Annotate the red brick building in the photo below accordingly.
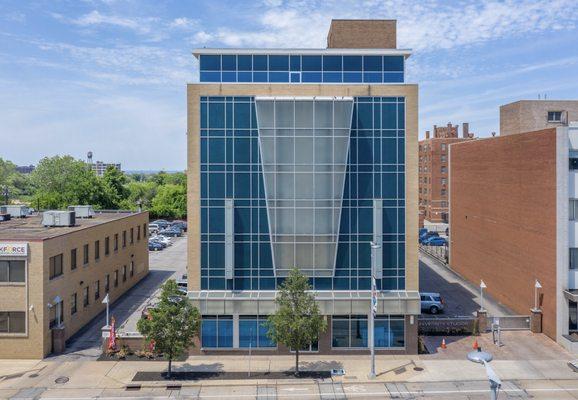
(433, 171)
(510, 222)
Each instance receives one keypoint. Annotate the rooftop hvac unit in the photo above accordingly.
(58, 218)
(82, 211)
(15, 210)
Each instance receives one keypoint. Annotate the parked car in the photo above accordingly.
(155, 246)
(431, 302)
(171, 232)
(428, 235)
(163, 240)
(436, 241)
(422, 232)
(180, 224)
(161, 223)
(153, 228)
(183, 286)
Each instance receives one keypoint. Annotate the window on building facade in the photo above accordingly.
(85, 254)
(443, 146)
(349, 331)
(55, 266)
(444, 192)
(106, 246)
(573, 316)
(144, 230)
(138, 233)
(73, 259)
(116, 278)
(217, 331)
(12, 271)
(115, 241)
(107, 283)
(444, 181)
(573, 210)
(253, 332)
(131, 235)
(12, 322)
(131, 269)
(443, 158)
(96, 290)
(573, 257)
(56, 314)
(296, 68)
(554, 116)
(124, 273)
(86, 296)
(97, 250)
(73, 304)
(444, 169)
(123, 239)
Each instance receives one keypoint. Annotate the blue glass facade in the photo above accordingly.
(229, 68)
(231, 168)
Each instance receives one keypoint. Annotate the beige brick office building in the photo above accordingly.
(53, 279)
(302, 158)
(533, 115)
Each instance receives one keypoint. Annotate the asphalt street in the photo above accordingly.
(461, 297)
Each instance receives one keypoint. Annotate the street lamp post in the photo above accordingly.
(373, 309)
(482, 287)
(483, 357)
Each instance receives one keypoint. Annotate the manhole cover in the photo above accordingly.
(61, 379)
(418, 369)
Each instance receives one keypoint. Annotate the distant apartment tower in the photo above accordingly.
(100, 167)
(533, 115)
(514, 214)
(25, 169)
(433, 171)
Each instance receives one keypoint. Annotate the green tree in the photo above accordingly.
(139, 191)
(60, 181)
(170, 201)
(297, 321)
(114, 184)
(7, 169)
(172, 325)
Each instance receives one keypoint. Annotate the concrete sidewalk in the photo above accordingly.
(548, 362)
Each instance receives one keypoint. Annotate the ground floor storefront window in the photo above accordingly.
(217, 331)
(253, 332)
(352, 331)
(573, 316)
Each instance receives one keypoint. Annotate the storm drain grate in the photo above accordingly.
(133, 387)
(174, 387)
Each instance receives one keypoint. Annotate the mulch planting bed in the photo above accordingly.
(134, 357)
(148, 376)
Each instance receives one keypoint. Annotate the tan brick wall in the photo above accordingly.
(503, 218)
(532, 115)
(194, 91)
(362, 34)
(41, 290)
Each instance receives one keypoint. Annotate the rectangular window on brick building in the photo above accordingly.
(55, 264)
(573, 257)
(106, 246)
(73, 259)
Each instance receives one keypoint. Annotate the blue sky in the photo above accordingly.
(110, 75)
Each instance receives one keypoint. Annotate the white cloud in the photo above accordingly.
(183, 23)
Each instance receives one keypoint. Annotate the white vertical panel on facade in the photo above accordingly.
(377, 253)
(229, 237)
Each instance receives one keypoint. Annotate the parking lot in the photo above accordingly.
(169, 263)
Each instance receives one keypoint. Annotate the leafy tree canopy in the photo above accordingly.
(297, 321)
(173, 323)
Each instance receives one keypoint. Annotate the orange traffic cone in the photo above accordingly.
(444, 344)
(475, 345)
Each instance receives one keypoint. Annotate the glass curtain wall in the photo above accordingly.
(304, 145)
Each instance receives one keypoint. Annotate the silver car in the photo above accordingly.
(431, 302)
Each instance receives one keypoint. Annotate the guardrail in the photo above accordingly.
(447, 325)
(440, 253)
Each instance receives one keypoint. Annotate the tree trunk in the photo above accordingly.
(170, 366)
(296, 362)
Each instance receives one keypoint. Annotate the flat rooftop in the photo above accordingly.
(31, 229)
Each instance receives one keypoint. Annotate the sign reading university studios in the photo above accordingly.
(13, 249)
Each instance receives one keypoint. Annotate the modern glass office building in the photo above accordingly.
(302, 158)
